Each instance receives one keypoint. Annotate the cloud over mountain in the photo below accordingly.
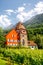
(9, 11)
(5, 21)
(22, 15)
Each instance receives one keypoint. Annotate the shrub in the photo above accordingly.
(22, 56)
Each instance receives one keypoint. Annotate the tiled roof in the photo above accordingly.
(19, 26)
(31, 43)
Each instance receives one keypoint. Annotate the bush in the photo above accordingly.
(23, 56)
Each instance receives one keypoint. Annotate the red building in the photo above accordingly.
(12, 38)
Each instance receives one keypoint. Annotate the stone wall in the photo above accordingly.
(23, 40)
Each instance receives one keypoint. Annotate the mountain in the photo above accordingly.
(35, 21)
(10, 27)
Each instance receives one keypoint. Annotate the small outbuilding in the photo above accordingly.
(32, 45)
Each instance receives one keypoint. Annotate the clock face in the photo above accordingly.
(23, 31)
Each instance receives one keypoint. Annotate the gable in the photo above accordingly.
(11, 34)
(20, 26)
(31, 43)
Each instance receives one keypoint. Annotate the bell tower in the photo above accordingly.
(22, 34)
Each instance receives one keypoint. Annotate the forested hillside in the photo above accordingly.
(34, 28)
(35, 21)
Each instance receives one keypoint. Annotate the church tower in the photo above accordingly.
(22, 34)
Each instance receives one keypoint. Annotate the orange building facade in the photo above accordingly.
(12, 38)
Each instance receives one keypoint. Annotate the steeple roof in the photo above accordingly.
(20, 26)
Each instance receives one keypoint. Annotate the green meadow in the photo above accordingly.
(11, 56)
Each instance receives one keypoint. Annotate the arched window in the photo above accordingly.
(23, 41)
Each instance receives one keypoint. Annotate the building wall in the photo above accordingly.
(23, 39)
(33, 47)
(12, 38)
(20, 28)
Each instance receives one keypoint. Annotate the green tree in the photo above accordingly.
(2, 37)
(38, 40)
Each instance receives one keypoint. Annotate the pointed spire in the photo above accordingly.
(19, 25)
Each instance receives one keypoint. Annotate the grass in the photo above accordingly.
(2, 62)
(21, 56)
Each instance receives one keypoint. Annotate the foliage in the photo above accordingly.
(22, 56)
(36, 34)
(2, 62)
(2, 37)
(34, 28)
(35, 21)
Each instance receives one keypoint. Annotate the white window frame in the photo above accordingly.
(8, 40)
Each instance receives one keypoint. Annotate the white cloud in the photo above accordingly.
(39, 8)
(9, 11)
(22, 15)
(4, 21)
(24, 4)
(20, 9)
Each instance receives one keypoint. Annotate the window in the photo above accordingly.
(17, 30)
(11, 44)
(8, 40)
(32, 46)
(11, 40)
(22, 35)
(16, 44)
(12, 35)
(15, 40)
(23, 41)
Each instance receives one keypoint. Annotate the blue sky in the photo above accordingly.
(13, 11)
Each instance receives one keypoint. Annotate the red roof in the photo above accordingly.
(31, 43)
